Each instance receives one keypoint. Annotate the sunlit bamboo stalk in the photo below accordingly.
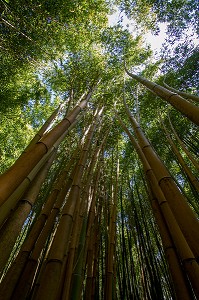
(177, 201)
(185, 107)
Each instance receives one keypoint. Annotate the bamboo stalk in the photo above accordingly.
(11, 202)
(95, 281)
(185, 107)
(50, 278)
(28, 273)
(42, 130)
(183, 94)
(83, 245)
(12, 227)
(109, 284)
(195, 163)
(180, 285)
(15, 270)
(16, 174)
(26, 279)
(70, 278)
(92, 237)
(178, 203)
(186, 169)
(90, 253)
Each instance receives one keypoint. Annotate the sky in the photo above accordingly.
(155, 41)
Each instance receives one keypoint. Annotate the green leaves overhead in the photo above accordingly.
(53, 51)
(34, 33)
(180, 15)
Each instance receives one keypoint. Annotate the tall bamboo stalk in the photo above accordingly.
(186, 169)
(89, 273)
(70, 278)
(12, 201)
(195, 163)
(16, 174)
(77, 276)
(29, 272)
(178, 203)
(186, 255)
(17, 267)
(18, 193)
(183, 94)
(42, 130)
(109, 284)
(12, 227)
(180, 285)
(50, 279)
(185, 107)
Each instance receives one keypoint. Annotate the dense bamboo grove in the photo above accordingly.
(96, 235)
(100, 199)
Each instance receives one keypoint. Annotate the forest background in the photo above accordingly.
(52, 53)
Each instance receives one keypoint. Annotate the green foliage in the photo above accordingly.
(18, 126)
(180, 15)
(12, 144)
(181, 67)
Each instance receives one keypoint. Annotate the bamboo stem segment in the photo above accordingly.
(185, 107)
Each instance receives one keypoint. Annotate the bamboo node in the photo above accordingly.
(54, 260)
(163, 202)
(154, 86)
(40, 142)
(188, 260)
(26, 201)
(173, 94)
(163, 178)
(146, 146)
(67, 120)
(28, 178)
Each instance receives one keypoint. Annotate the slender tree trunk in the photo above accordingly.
(110, 284)
(178, 203)
(42, 130)
(70, 279)
(50, 278)
(28, 274)
(17, 267)
(185, 107)
(13, 226)
(180, 285)
(21, 168)
(186, 169)
(183, 94)
(195, 163)
(11, 202)
(90, 253)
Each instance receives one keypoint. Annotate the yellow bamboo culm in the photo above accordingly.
(17, 267)
(177, 201)
(181, 93)
(12, 227)
(188, 109)
(51, 275)
(13, 177)
(177, 273)
(195, 163)
(186, 169)
(109, 283)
